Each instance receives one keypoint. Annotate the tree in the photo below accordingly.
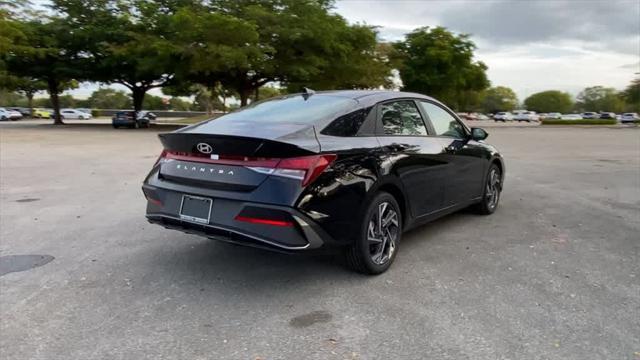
(29, 87)
(107, 98)
(599, 98)
(438, 63)
(499, 98)
(549, 101)
(300, 42)
(631, 96)
(126, 40)
(212, 46)
(45, 51)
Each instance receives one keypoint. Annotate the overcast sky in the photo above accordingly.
(529, 46)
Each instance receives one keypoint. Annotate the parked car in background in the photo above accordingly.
(482, 117)
(553, 115)
(629, 117)
(571, 117)
(6, 114)
(527, 116)
(146, 115)
(312, 171)
(128, 119)
(42, 113)
(84, 110)
(24, 111)
(503, 116)
(74, 114)
(590, 115)
(607, 115)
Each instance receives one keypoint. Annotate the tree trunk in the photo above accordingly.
(224, 103)
(30, 102)
(256, 94)
(55, 101)
(138, 98)
(244, 96)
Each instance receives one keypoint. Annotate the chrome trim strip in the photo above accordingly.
(236, 232)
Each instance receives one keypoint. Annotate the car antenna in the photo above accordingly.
(306, 92)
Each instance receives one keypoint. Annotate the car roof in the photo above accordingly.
(370, 97)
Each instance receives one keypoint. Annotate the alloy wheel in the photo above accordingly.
(382, 233)
(493, 188)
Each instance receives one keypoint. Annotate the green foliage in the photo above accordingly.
(499, 98)
(631, 96)
(107, 98)
(599, 98)
(152, 102)
(178, 104)
(579, 122)
(549, 101)
(45, 51)
(300, 42)
(440, 64)
(11, 98)
(267, 92)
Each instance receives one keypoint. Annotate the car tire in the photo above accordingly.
(375, 247)
(3, 118)
(136, 125)
(115, 126)
(491, 192)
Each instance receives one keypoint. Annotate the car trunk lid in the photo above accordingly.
(227, 159)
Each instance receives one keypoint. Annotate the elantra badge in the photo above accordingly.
(204, 148)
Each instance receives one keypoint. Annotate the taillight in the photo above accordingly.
(304, 168)
(162, 156)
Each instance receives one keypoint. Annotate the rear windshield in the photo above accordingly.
(293, 109)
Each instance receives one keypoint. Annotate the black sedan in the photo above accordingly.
(349, 170)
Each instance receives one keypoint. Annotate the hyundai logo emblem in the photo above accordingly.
(204, 148)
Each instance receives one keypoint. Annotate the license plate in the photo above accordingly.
(195, 209)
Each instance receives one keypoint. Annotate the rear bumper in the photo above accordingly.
(163, 208)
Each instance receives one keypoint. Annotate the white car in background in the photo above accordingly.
(74, 114)
(6, 114)
(571, 117)
(629, 117)
(590, 115)
(553, 115)
(527, 116)
(503, 116)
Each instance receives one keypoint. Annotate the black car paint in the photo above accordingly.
(430, 176)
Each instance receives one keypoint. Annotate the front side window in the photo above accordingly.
(401, 118)
(443, 123)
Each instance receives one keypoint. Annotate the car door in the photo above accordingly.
(466, 157)
(411, 155)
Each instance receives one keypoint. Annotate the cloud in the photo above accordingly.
(529, 45)
(610, 25)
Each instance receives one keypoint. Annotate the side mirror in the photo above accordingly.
(478, 134)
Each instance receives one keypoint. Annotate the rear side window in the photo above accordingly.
(443, 123)
(346, 125)
(401, 118)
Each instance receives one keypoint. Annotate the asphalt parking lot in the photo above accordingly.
(553, 274)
